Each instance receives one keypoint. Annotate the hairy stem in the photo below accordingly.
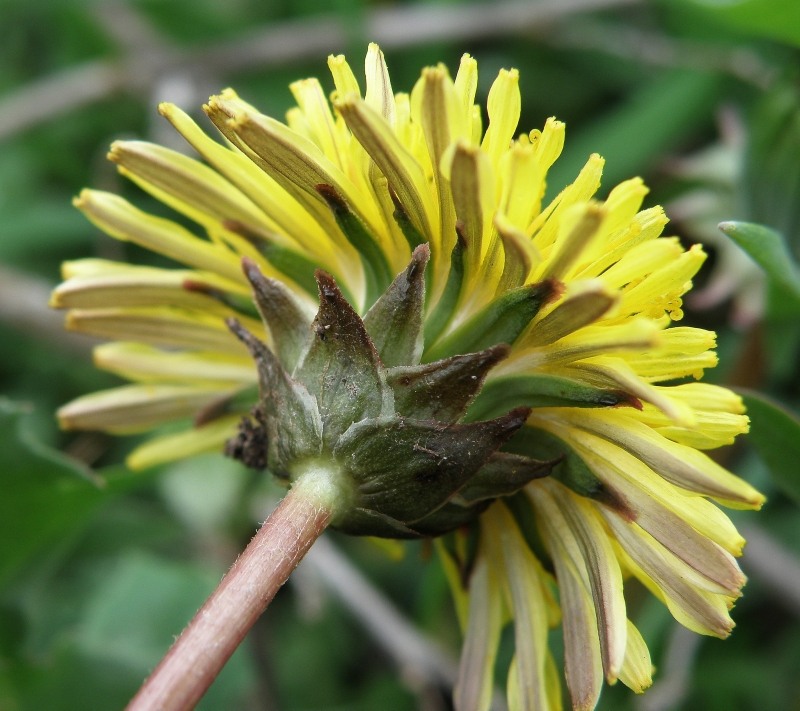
(198, 655)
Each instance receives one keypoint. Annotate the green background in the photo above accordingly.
(100, 568)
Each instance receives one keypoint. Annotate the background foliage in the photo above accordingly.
(99, 568)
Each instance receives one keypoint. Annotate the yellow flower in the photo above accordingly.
(583, 292)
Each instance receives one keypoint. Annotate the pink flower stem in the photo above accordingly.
(198, 655)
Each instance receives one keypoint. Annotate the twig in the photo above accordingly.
(673, 685)
(419, 659)
(774, 565)
(23, 305)
(198, 655)
(52, 96)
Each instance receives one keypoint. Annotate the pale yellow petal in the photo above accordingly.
(524, 580)
(475, 683)
(699, 610)
(120, 219)
(210, 437)
(139, 362)
(136, 408)
(160, 326)
(637, 669)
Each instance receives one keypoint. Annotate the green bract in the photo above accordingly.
(350, 395)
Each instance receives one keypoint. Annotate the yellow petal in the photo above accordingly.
(503, 106)
(161, 326)
(120, 219)
(524, 580)
(185, 184)
(637, 669)
(379, 93)
(317, 112)
(406, 177)
(473, 689)
(580, 538)
(465, 86)
(343, 77)
(683, 466)
(146, 287)
(546, 225)
(136, 361)
(285, 216)
(169, 448)
(135, 408)
(699, 610)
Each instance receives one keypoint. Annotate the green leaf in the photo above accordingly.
(771, 169)
(775, 433)
(775, 19)
(634, 136)
(769, 251)
(45, 494)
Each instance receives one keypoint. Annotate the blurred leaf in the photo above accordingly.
(775, 433)
(769, 251)
(771, 171)
(45, 494)
(636, 134)
(124, 616)
(38, 225)
(775, 19)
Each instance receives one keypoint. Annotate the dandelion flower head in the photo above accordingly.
(525, 346)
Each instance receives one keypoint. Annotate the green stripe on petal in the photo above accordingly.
(442, 313)
(583, 305)
(184, 184)
(502, 321)
(152, 288)
(502, 393)
(377, 272)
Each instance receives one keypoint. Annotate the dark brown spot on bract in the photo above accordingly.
(249, 445)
